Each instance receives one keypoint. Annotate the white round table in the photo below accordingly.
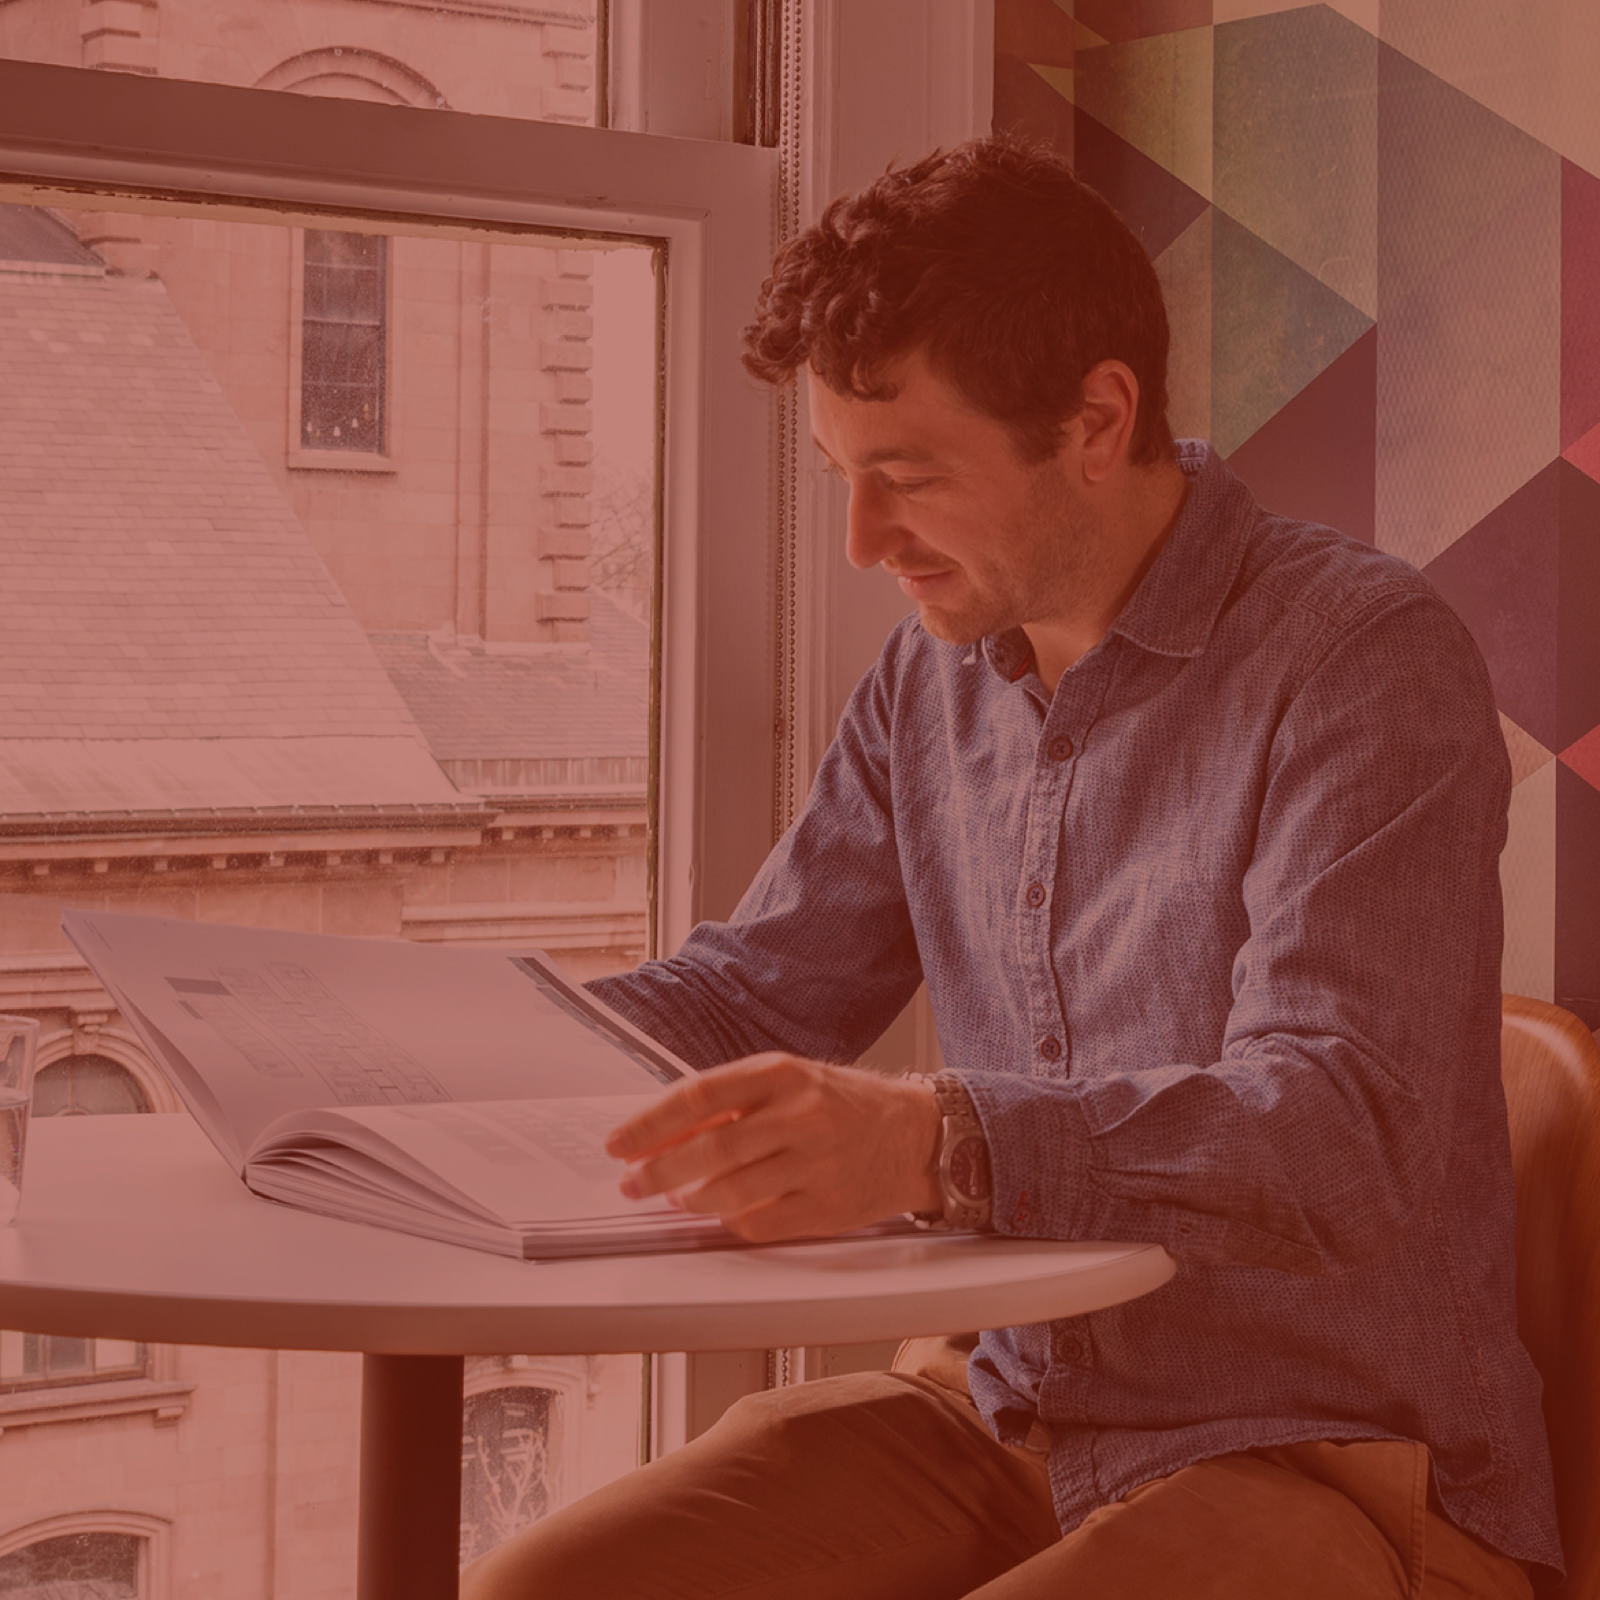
(135, 1228)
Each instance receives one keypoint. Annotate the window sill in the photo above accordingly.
(29, 1408)
(340, 461)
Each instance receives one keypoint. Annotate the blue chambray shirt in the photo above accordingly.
(1212, 937)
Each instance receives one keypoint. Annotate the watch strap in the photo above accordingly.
(959, 1126)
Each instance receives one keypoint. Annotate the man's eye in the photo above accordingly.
(909, 485)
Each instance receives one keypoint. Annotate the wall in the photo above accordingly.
(1377, 228)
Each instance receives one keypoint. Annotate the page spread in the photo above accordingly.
(464, 1094)
(529, 1177)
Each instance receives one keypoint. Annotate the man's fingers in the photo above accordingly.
(721, 1093)
(703, 1156)
(749, 1187)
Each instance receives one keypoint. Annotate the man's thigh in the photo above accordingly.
(861, 1487)
(882, 1485)
(1319, 1521)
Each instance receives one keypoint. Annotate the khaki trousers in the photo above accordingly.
(878, 1486)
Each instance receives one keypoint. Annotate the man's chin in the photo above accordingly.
(951, 627)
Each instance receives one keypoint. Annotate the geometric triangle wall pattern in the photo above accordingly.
(1384, 284)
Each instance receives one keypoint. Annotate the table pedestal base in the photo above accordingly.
(410, 1524)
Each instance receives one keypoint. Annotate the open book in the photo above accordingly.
(460, 1094)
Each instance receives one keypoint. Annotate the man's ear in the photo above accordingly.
(1110, 410)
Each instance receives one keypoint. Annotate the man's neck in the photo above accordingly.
(1135, 530)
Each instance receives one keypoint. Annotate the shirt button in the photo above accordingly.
(1060, 749)
(1035, 894)
(1069, 1345)
(1050, 1048)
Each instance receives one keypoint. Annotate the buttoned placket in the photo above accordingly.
(1065, 723)
(1066, 726)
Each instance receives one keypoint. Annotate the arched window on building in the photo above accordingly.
(86, 1085)
(76, 1566)
(75, 1086)
(505, 1465)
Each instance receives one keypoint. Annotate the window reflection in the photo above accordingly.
(343, 341)
(86, 1085)
(74, 1566)
(505, 1465)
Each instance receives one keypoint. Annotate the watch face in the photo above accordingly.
(969, 1168)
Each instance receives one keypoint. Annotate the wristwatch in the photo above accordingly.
(966, 1182)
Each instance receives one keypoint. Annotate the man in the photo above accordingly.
(1189, 816)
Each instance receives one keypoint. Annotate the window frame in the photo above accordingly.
(299, 456)
(76, 1377)
(152, 1532)
(83, 139)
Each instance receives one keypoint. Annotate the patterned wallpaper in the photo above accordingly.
(1378, 226)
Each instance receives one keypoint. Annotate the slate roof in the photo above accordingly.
(488, 705)
(28, 233)
(171, 639)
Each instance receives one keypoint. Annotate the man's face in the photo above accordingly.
(942, 499)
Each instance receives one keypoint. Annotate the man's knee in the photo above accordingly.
(776, 1457)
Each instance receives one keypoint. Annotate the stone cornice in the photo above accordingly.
(230, 840)
(29, 1408)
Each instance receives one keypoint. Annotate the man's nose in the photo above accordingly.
(871, 529)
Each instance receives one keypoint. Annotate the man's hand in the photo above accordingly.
(784, 1148)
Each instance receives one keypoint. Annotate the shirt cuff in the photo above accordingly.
(1038, 1154)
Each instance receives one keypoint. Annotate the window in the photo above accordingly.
(505, 1465)
(361, 740)
(511, 58)
(82, 1085)
(36, 1360)
(76, 1566)
(343, 341)
(86, 1085)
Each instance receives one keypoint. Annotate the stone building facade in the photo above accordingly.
(297, 524)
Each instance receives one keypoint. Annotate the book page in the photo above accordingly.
(518, 1162)
(528, 1177)
(254, 1023)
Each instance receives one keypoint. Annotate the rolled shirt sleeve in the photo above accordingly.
(819, 956)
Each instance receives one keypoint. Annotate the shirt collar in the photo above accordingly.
(1009, 653)
(1176, 604)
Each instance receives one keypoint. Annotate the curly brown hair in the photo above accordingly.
(1012, 276)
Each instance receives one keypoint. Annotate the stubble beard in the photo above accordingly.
(1057, 571)
(1057, 560)
(967, 625)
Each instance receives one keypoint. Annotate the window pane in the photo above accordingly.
(510, 58)
(344, 276)
(76, 1566)
(342, 386)
(332, 250)
(65, 1357)
(403, 694)
(85, 1086)
(505, 1466)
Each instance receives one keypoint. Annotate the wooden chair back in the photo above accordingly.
(1551, 1067)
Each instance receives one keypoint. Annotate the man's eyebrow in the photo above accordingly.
(909, 454)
